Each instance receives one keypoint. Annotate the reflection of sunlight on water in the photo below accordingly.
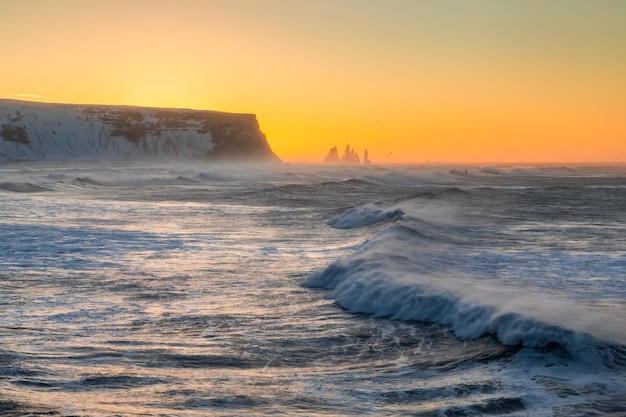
(135, 298)
(173, 299)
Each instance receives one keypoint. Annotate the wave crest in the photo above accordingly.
(416, 270)
(22, 187)
(364, 215)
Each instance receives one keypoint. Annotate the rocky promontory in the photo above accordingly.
(350, 156)
(41, 131)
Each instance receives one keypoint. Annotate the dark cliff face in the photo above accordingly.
(209, 135)
(12, 131)
(235, 136)
(238, 137)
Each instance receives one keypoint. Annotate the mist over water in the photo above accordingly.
(189, 290)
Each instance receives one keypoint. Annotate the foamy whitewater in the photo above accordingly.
(194, 290)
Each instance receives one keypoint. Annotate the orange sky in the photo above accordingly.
(411, 81)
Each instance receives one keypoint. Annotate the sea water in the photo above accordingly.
(191, 290)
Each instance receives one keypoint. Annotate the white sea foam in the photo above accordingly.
(191, 274)
(420, 271)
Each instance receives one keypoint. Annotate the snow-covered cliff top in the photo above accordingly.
(42, 131)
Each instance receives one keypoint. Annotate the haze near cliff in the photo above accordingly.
(37, 131)
(412, 81)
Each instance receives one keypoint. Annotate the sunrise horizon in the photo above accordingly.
(318, 159)
(410, 82)
(313, 207)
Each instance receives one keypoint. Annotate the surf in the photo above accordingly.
(461, 275)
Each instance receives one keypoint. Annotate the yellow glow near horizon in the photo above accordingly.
(412, 82)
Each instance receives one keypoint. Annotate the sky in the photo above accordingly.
(411, 81)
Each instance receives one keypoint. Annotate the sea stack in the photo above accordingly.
(350, 157)
(332, 157)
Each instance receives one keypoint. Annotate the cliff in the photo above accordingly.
(41, 131)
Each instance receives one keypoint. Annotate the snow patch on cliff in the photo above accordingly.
(41, 131)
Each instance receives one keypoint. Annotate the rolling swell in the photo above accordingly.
(364, 215)
(384, 296)
(90, 182)
(22, 187)
(419, 270)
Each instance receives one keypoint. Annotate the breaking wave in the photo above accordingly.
(417, 270)
(364, 216)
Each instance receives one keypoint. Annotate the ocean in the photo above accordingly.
(174, 289)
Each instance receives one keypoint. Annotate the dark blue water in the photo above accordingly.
(192, 290)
